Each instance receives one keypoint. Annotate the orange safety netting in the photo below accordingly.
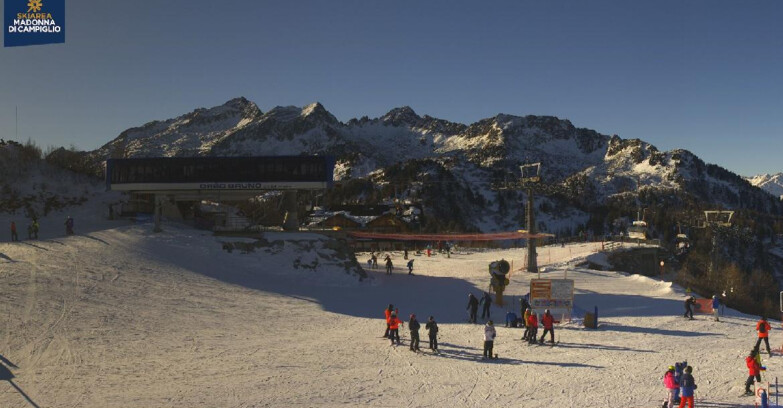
(494, 236)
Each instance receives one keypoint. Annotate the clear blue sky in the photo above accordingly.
(706, 75)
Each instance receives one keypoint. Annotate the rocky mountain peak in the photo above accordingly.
(317, 112)
(771, 183)
(401, 116)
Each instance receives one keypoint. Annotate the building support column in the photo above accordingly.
(158, 212)
(532, 262)
(291, 220)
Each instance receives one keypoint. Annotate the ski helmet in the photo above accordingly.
(688, 369)
(490, 323)
(413, 315)
(671, 368)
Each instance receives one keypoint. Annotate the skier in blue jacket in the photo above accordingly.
(687, 385)
(715, 306)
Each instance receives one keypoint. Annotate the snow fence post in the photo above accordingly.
(596, 316)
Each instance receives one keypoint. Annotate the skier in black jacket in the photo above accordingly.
(413, 326)
(432, 328)
(487, 302)
(523, 305)
(689, 302)
(473, 306)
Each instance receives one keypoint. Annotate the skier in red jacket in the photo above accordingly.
(763, 327)
(394, 325)
(671, 386)
(532, 325)
(549, 326)
(754, 370)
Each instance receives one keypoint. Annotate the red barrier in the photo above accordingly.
(703, 306)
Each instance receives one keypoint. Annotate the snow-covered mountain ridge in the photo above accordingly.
(771, 183)
(592, 167)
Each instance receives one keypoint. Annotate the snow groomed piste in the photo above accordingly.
(116, 316)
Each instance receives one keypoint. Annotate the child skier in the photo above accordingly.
(671, 385)
(678, 368)
(387, 313)
(489, 339)
(687, 385)
(511, 319)
(394, 325)
(532, 324)
(413, 326)
(754, 370)
(432, 328)
(525, 318)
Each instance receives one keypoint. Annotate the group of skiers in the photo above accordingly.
(393, 324)
(473, 304)
(34, 227)
(753, 360)
(373, 263)
(32, 230)
(690, 302)
(680, 384)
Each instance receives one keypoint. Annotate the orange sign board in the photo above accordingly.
(540, 288)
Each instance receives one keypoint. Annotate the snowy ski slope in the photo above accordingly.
(117, 316)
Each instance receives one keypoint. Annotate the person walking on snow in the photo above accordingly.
(432, 329)
(689, 302)
(763, 327)
(473, 307)
(532, 324)
(394, 328)
(69, 226)
(489, 339)
(487, 301)
(671, 386)
(36, 227)
(410, 266)
(754, 370)
(549, 326)
(687, 385)
(389, 265)
(413, 326)
(715, 306)
(14, 235)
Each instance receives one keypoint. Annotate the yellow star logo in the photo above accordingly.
(35, 5)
